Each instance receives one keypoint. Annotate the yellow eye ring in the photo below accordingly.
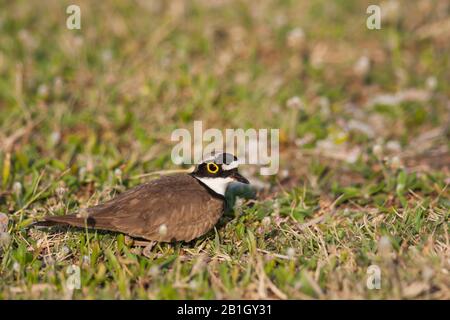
(214, 169)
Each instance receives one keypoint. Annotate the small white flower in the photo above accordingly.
(395, 163)
(17, 188)
(16, 266)
(83, 213)
(296, 38)
(290, 252)
(431, 83)
(193, 284)
(55, 137)
(82, 173)
(384, 245)
(118, 173)
(154, 271)
(377, 150)
(266, 221)
(294, 103)
(60, 192)
(362, 66)
(400, 188)
(276, 207)
(43, 90)
(353, 155)
(65, 250)
(86, 260)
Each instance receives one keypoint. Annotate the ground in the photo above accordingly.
(363, 186)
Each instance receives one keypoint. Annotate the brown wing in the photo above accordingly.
(172, 208)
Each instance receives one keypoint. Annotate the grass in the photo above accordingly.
(364, 174)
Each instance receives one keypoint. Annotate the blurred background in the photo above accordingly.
(136, 70)
(87, 111)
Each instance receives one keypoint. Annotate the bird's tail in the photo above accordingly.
(69, 220)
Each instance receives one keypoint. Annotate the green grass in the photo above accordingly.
(364, 180)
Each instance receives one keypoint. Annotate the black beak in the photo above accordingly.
(238, 177)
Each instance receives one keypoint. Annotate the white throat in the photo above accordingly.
(218, 185)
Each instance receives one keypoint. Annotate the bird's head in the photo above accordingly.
(218, 171)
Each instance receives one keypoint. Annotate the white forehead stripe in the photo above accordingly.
(232, 165)
(219, 158)
(209, 159)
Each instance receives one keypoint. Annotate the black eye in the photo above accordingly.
(212, 167)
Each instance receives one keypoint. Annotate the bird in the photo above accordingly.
(176, 207)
